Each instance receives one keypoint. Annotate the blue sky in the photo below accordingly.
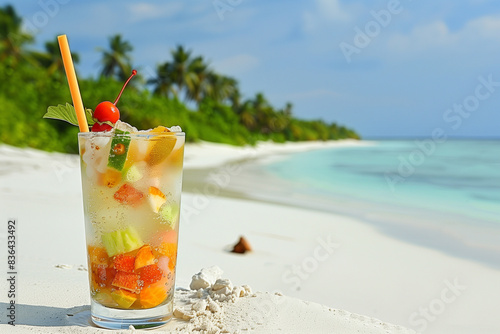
(423, 65)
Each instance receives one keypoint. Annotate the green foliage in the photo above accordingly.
(34, 80)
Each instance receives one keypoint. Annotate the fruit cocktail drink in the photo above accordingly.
(131, 195)
(131, 184)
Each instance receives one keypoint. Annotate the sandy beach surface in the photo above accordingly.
(309, 271)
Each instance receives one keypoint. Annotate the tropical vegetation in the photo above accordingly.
(183, 91)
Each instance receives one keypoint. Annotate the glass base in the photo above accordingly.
(122, 319)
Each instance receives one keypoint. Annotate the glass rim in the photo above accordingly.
(134, 134)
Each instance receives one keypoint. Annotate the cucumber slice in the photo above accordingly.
(119, 150)
(121, 241)
(169, 214)
(133, 174)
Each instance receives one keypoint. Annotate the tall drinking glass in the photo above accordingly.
(131, 198)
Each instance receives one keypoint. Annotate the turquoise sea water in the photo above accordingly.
(443, 195)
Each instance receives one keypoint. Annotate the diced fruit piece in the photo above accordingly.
(153, 295)
(124, 298)
(119, 149)
(144, 257)
(156, 198)
(131, 239)
(102, 274)
(170, 214)
(165, 236)
(124, 263)
(160, 129)
(161, 148)
(121, 241)
(104, 298)
(163, 264)
(128, 195)
(133, 174)
(113, 243)
(150, 274)
(169, 249)
(127, 281)
(110, 178)
(97, 255)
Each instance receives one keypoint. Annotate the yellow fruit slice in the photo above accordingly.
(123, 298)
(162, 147)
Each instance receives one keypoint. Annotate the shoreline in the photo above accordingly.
(247, 179)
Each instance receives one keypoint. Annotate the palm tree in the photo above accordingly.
(235, 99)
(182, 75)
(247, 115)
(12, 38)
(263, 113)
(222, 87)
(117, 61)
(163, 84)
(197, 83)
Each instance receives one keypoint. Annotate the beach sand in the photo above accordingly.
(314, 271)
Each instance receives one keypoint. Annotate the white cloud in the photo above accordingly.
(325, 12)
(142, 11)
(331, 10)
(236, 65)
(486, 26)
(421, 38)
(478, 34)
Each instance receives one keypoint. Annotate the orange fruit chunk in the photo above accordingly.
(97, 255)
(124, 263)
(144, 257)
(169, 249)
(110, 178)
(153, 295)
(127, 281)
(128, 195)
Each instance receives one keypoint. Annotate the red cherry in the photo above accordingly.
(106, 111)
(101, 127)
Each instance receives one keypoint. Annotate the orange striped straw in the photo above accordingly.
(73, 83)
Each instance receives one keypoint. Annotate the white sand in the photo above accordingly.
(322, 258)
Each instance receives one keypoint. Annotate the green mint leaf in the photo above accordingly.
(67, 113)
(89, 115)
